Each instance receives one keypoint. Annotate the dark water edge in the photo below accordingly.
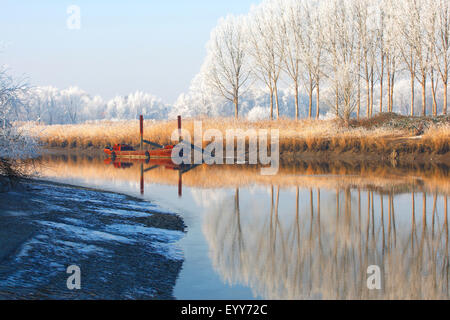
(125, 247)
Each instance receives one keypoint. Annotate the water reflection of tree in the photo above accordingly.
(323, 250)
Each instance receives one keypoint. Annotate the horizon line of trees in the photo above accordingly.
(49, 105)
(348, 47)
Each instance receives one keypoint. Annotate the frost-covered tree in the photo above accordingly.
(294, 42)
(267, 47)
(345, 78)
(421, 13)
(364, 19)
(441, 43)
(341, 39)
(227, 59)
(391, 48)
(201, 96)
(15, 144)
(381, 48)
(49, 105)
(312, 45)
(10, 93)
(72, 100)
(407, 41)
(291, 29)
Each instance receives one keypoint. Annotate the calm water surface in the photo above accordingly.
(309, 232)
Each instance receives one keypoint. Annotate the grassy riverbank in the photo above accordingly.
(385, 136)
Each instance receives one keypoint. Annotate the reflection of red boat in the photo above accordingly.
(153, 162)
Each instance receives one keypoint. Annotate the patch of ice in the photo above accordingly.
(26, 247)
(122, 212)
(162, 235)
(170, 250)
(164, 241)
(85, 233)
(15, 213)
(84, 248)
(56, 266)
(73, 221)
(140, 205)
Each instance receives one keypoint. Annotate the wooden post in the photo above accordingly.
(179, 128)
(180, 183)
(141, 122)
(142, 178)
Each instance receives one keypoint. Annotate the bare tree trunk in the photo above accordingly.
(276, 100)
(317, 101)
(391, 96)
(236, 103)
(358, 105)
(445, 83)
(389, 90)
(444, 108)
(310, 93)
(337, 102)
(368, 96)
(296, 99)
(424, 97)
(371, 94)
(381, 83)
(433, 93)
(412, 94)
(271, 104)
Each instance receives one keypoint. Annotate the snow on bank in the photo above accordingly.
(121, 256)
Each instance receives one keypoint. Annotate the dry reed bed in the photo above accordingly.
(384, 133)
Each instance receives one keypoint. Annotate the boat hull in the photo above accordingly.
(165, 153)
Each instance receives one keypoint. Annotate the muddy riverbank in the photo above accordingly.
(125, 247)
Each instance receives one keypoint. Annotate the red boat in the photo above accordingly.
(162, 156)
(127, 151)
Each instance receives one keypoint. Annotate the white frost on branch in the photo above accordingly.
(15, 143)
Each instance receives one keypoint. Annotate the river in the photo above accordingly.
(309, 232)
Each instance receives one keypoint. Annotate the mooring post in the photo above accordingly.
(179, 128)
(142, 178)
(180, 183)
(141, 123)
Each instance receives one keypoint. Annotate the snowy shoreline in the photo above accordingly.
(124, 250)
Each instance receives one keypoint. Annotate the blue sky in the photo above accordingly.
(122, 46)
